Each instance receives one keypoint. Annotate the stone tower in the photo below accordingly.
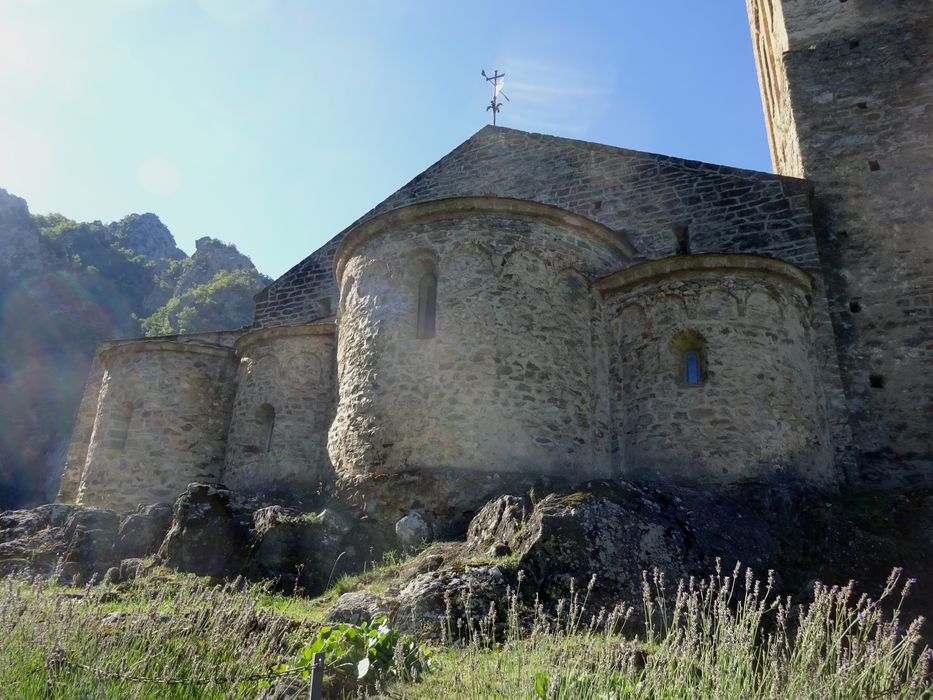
(847, 90)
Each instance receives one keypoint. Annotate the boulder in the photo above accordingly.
(356, 607)
(67, 541)
(498, 522)
(304, 552)
(611, 533)
(431, 604)
(411, 532)
(209, 534)
(131, 568)
(142, 532)
(91, 537)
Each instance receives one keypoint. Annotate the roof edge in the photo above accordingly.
(453, 207)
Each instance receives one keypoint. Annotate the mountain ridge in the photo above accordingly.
(65, 286)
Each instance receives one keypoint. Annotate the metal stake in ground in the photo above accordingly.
(497, 80)
(316, 686)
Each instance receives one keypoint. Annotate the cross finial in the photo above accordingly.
(498, 80)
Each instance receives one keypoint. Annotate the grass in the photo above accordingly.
(729, 636)
(725, 637)
(62, 643)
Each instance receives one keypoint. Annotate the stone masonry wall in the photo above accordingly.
(642, 194)
(161, 423)
(758, 409)
(857, 102)
(306, 293)
(286, 374)
(76, 457)
(506, 384)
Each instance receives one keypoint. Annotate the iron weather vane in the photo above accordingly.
(498, 80)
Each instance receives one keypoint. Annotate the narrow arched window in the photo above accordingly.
(121, 425)
(265, 420)
(427, 305)
(692, 367)
(688, 358)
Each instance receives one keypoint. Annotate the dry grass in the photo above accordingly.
(728, 636)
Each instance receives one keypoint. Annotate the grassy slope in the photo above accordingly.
(722, 639)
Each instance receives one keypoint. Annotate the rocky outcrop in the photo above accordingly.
(146, 235)
(431, 604)
(356, 607)
(611, 533)
(303, 551)
(74, 544)
(215, 532)
(213, 289)
(210, 257)
(23, 252)
(209, 532)
(411, 531)
(597, 540)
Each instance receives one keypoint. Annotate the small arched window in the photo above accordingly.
(121, 425)
(681, 239)
(688, 357)
(427, 305)
(265, 420)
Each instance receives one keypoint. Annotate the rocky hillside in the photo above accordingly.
(65, 286)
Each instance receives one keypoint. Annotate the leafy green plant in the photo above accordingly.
(369, 651)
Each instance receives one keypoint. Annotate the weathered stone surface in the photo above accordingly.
(356, 607)
(848, 94)
(131, 568)
(69, 542)
(92, 536)
(499, 522)
(611, 533)
(142, 532)
(757, 407)
(411, 531)
(161, 421)
(430, 601)
(285, 400)
(304, 550)
(209, 533)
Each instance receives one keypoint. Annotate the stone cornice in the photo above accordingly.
(703, 263)
(112, 348)
(466, 207)
(276, 332)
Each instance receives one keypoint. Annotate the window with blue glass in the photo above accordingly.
(692, 369)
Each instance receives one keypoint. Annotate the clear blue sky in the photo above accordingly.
(273, 124)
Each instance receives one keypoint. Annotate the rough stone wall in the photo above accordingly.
(758, 408)
(161, 423)
(76, 457)
(769, 42)
(292, 371)
(855, 98)
(506, 383)
(642, 194)
(306, 293)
